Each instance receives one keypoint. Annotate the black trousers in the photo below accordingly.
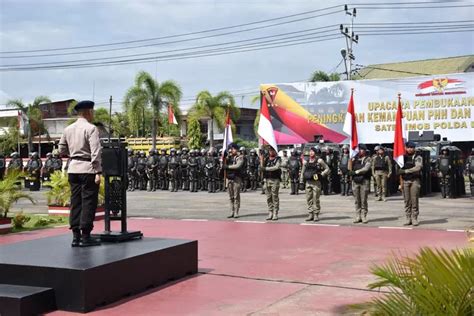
(84, 198)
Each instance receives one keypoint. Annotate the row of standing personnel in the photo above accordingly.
(356, 172)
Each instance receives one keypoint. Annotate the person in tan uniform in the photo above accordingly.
(361, 167)
(81, 143)
(381, 170)
(233, 165)
(272, 175)
(313, 171)
(411, 176)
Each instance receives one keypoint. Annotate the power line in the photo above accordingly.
(154, 59)
(185, 34)
(191, 48)
(169, 42)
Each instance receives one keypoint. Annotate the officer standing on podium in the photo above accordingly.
(81, 143)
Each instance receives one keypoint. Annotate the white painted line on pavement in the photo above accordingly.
(318, 224)
(455, 230)
(137, 217)
(390, 227)
(252, 222)
(194, 220)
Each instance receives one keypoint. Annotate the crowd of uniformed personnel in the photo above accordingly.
(322, 171)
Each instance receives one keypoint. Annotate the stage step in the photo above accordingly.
(19, 300)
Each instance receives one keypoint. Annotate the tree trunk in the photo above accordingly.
(30, 138)
(153, 130)
(211, 133)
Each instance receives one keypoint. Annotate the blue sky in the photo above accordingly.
(28, 25)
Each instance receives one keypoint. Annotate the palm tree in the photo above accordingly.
(322, 76)
(214, 108)
(33, 113)
(147, 92)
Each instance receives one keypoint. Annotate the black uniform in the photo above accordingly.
(132, 171)
(252, 170)
(33, 169)
(163, 171)
(48, 168)
(184, 170)
(3, 166)
(193, 171)
(173, 171)
(343, 170)
(443, 167)
(141, 171)
(212, 166)
(470, 170)
(294, 168)
(151, 170)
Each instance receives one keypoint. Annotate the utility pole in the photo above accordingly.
(351, 38)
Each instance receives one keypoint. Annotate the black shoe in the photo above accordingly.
(88, 241)
(76, 238)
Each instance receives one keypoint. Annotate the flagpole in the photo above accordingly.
(399, 103)
(349, 163)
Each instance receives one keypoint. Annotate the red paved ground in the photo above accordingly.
(268, 269)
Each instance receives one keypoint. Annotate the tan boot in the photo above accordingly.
(275, 216)
(364, 219)
(231, 215)
(310, 217)
(236, 214)
(408, 221)
(316, 217)
(414, 221)
(270, 216)
(357, 219)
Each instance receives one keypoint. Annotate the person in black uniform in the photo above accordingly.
(173, 170)
(3, 166)
(131, 170)
(252, 169)
(81, 142)
(443, 168)
(33, 169)
(193, 169)
(47, 168)
(141, 171)
(294, 168)
(163, 170)
(184, 169)
(343, 170)
(151, 170)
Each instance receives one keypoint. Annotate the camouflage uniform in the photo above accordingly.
(411, 173)
(382, 170)
(272, 175)
(361, 167)
(312, 172)
(233, 166)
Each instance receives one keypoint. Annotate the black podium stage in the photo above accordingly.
(85, 278)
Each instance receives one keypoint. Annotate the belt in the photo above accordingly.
(81, 159)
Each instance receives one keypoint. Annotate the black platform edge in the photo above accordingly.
(110, 272)
(119, 236)
(17, 300)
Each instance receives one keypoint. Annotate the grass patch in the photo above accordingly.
(40, 221)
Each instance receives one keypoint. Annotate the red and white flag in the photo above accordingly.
(265, 128)
(171, 117)
(228, 139)
(350, 127)
(22, 123)
(399, 142)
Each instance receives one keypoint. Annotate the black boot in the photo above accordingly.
(76, 238)
(87, 240)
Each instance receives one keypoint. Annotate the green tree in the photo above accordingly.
(35, 124)
(9, 139)
(319, 75)
(194, 133)
(214, 109)
(148, 93)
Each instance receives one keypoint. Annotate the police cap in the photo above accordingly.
(410, 144)
(82, 105)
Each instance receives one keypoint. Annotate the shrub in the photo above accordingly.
(20, 219)
(434, 282)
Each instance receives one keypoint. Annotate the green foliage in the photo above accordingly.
(19, 220)
(9, 140)
(194, 133)
(35, 124)
(10, 193)
(46, 221)
(434, 282)
(214, 108)
(60, 193)
(148, 93)
(246, 143)
(322, 76)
